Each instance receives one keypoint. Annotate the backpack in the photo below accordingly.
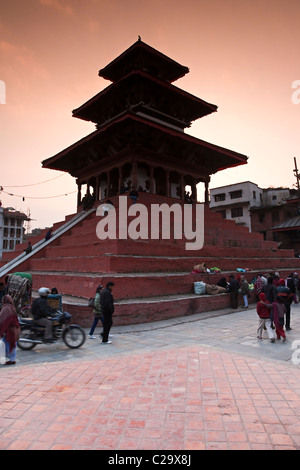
(91, 302)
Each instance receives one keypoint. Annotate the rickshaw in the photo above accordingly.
(19, 287)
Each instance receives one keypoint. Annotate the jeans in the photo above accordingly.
(95, 323)
(11, 356)
(267, 323)
(245, 297)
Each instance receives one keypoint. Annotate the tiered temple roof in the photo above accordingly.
(140, 120)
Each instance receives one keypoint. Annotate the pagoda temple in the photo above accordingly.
(139, 141)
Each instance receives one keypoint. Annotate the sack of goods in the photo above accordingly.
(199, 287)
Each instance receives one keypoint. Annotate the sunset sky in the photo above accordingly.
(243, 56)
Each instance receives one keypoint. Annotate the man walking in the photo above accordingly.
(107, 308)
(234, 291)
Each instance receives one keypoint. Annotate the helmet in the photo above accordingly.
(44, 291)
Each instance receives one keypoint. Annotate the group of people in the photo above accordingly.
(103, 311)
(9, 322)
(274, 297)
(9, 329)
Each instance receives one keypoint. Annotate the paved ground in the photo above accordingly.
(201, 382)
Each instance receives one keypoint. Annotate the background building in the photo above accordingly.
(267, 211)
(11, 229)
(235, 200)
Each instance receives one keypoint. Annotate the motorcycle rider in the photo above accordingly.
(41, 310)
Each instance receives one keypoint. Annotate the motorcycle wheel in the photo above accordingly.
(26, 334)
(74, 337)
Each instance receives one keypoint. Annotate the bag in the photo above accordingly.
(199, 288)
(201, 268)
(2, 352)
(91, 302)
(215, 289)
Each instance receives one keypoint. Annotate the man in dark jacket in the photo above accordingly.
(41, 310)
(286, 298)
(107, 308)
(234, 291)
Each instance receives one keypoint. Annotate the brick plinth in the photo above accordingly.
(77, 262)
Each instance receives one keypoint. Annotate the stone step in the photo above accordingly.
(109, 263)
(144, 310)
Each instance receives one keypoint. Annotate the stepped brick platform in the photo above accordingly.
(153, 278)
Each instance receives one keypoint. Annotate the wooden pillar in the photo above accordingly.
(194, 190)
(168, 186)
(182, 186)
(120, 179)
(108, 184)
(134, 174)
(78, 193)
(206, 194)
(151, 179)
(97, 188)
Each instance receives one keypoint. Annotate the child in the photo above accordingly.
(278, 317)
(263, 309)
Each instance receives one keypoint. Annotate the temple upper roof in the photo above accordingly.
(141, 56)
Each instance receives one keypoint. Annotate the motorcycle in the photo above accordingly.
(33, 334)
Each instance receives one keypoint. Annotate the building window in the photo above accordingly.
(261, 218)
(237, 212)
(254, 194)
(223, 213)
(236, 194)
(11, 244)
(275, 216)
(5, 244)
(274, 198)
(220, 197)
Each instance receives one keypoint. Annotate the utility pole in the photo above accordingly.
(296, 174)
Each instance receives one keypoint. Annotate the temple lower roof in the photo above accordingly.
(132, 134)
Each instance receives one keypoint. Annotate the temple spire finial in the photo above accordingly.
(139, 38)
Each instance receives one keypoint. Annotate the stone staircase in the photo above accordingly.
(153, 279)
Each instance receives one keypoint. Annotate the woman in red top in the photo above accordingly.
(9, 328)
(263, 309)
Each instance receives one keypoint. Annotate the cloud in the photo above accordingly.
(17, 55)
(60, 5)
